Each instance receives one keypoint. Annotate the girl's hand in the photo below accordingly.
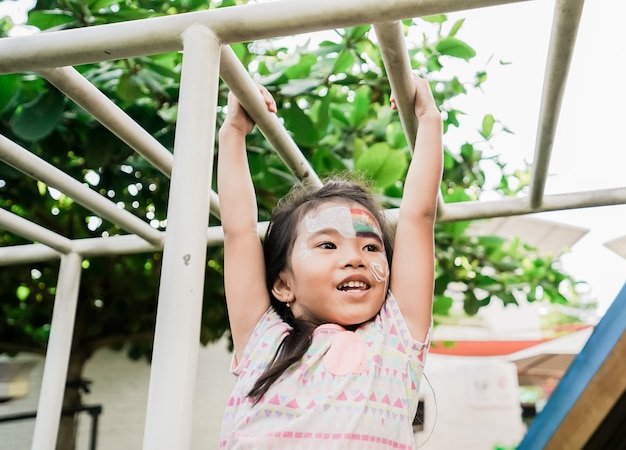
(238, 118)
(424, 100)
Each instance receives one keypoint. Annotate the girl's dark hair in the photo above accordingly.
(277, 247)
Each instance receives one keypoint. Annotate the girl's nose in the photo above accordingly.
(353, 258)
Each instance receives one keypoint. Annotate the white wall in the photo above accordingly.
(121, 387)
(473, 404)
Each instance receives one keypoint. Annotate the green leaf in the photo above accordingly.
(438, 18)
(458, 24)
(322, 114)
(451, 117)
(471, 305)
(9, 89)
(123, 15)
(487, 128)
(442, 305)
(325, 161)
(359, 147)
(294, 88)
(384, 165)
(240, 49)
(355, 33)
(469, 153)
(102, 4)
(344, 61)
(451, 46)
(301, 68)
(360, 105)
(301, 125)
(448, 161)
(45, 20)
(338, 113)
(455, 228)
(37, 119)
(128, 89)
(433, 64)
(395, 135)
(99, 155)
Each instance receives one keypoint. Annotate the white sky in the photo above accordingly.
(588, 152)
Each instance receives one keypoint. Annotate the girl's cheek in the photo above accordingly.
(380, 271)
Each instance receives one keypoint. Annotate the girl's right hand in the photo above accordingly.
(424, 100)
(238, 118)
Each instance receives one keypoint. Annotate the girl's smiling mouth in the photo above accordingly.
(353, 285)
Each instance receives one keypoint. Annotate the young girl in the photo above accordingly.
(329, 334)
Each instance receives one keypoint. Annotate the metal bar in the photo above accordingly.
(93, 411)
(30, 230)
(76, 87)
(232, 24)
(101, 246)
(519, 206)
(35, 167)
(57, 354)
(130, 244)
(239, 81)
(27, 253)
(173, 373)
(567, 15)
(398, 66)
(93, 440)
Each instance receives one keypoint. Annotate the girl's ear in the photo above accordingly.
(281, 289)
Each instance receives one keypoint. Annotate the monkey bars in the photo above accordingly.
(203, 37)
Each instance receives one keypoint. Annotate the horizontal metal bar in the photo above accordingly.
(519, 206)
(239, 81)
(28, 253)
(69, 411)
(76, 87)
(233, 24)
(35, 167)
(567, 15)
(127, 244)
(30, 230)
(471, 210)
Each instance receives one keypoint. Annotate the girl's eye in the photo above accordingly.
(372, 248)
(327, 246)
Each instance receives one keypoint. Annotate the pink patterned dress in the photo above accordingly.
(351, 390)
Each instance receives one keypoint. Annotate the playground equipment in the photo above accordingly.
(204, 39)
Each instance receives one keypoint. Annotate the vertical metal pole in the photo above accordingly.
(565, 23)
(57, 354)
(95, 415)
(176, 341)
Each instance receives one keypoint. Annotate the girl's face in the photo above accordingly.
(338, 269)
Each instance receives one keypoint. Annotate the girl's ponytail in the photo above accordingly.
(291, 350)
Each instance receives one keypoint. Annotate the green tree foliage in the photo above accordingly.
(332, 96)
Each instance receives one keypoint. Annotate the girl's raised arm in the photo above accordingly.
(413, 265)
(244, 268)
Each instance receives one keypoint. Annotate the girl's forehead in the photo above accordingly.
(350, 220)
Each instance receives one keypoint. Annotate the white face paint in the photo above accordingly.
(337, 218)
(305, 251)
(380, 273)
